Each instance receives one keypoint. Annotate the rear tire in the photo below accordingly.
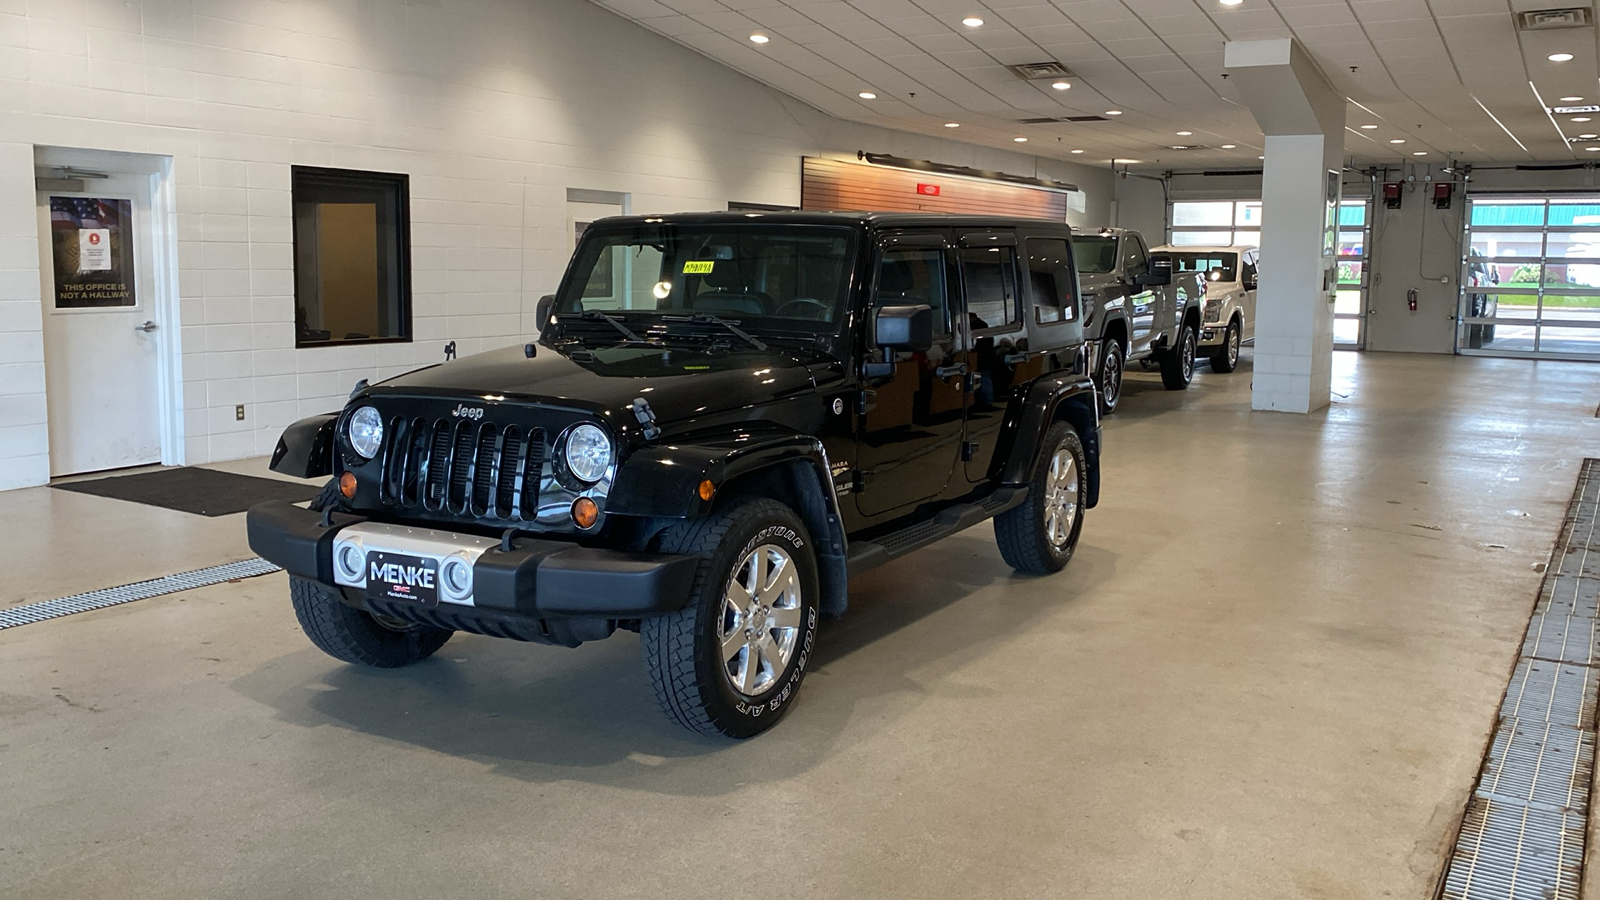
(757, 593)
(1226, 357)
(1038, 536)
(1177, 364)
(1109, 381)
(354, 636)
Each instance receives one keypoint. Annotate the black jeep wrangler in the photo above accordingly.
(725, 416)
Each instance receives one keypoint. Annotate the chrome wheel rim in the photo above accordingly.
(1061, 498)
(1112, 388)
(1233, 345)
(1188, 355)
(760, 620)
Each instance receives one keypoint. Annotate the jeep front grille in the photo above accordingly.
(462, 467)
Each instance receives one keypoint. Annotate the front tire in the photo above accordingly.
(355, 636)
(1038, 536)
(731, 661)
(1177, 364)
(1110, 382)
(1226, 357)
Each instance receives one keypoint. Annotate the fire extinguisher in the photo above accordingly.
(1411, 299)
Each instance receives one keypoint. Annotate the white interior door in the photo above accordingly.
(100, 324)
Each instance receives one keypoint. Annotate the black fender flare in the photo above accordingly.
(663, 480)
(1065, 397)
(307, 448)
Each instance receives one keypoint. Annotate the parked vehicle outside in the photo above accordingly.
(1481, 273)
(1138, 309)
(725, 417)
(1228, 278)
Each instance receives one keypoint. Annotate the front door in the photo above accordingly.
(100, 325)
(1144, 304)
(911, 432)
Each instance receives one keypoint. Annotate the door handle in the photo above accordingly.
(951, 371)
(147, 327)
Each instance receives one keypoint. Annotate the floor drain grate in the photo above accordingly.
(127, 593)
(1523, 834)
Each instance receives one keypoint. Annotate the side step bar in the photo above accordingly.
(864, 555)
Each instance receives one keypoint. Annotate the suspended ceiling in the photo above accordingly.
(1436, 74)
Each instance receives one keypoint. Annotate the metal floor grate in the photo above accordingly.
(1523, 835)
(127, 593)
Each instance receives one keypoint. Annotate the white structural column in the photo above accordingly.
(1302, 117)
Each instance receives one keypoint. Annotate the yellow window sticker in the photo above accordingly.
(697, 267)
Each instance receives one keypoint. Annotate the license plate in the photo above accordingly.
(398, 576)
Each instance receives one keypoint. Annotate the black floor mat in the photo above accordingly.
(204, 492)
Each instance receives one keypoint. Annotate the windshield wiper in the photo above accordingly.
(736, 331)
(595, 315)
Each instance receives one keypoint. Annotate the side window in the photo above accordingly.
(1249, 273)
(1052, 287)
(990, 277)
(915, 275)
(1135, 261)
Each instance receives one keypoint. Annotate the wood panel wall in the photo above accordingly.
(831, 184)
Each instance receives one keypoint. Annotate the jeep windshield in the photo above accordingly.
(1095, 254)
(760, 278)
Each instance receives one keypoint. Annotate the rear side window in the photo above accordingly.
(989, 274)
(911, 275)
(1054, 290)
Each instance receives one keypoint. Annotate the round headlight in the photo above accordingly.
(366, 431)
(588, 452)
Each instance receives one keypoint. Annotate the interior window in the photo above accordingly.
(1135, 262)
(909, 275)
(1050, 276)
(988, 273)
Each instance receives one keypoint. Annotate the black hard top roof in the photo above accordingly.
(876, 220)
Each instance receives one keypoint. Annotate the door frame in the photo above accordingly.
(163, 243)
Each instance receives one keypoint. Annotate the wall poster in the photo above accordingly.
(91, 241)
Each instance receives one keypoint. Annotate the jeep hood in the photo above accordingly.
(679, 383)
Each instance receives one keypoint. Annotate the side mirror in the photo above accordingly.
(908, 327)
(1249, 284)
(1153, 278)
(541, 312)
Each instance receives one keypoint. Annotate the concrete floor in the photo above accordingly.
(1270, 672)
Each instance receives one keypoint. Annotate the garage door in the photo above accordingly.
(1530, 282)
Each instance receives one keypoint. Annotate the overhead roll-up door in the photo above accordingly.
(831, 184)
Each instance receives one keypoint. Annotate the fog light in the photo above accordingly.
(351, 558)
(707, 490)
(455, 576)
(347, 485)
(584, 512)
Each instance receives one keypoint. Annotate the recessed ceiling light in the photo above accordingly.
(1580, 118)
(1077, 151)
(972, 21)
(1398, 141)
(952, 124)
(1261, 157)
(1570, 99)
(1419, 153)
(1592, 149)
(1185, 133)
(867, 95)
(759, 39)
(1560, 57)
(1588, 137)
(1020, 139)
(1231, 2)
(1369, 127)
(1113, 112)
(1061, 85)
(1229, 146)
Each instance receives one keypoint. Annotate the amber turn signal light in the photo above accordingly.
(584, 512)
(707, 490)
(347, 485)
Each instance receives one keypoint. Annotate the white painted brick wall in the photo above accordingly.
(493, 107)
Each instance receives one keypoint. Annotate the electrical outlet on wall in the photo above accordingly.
(238, 413)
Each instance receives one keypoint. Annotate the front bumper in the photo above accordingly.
(1212, 335)
(537, 581)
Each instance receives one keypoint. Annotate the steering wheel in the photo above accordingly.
(802, 308)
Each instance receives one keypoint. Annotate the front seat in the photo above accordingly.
(727, 292)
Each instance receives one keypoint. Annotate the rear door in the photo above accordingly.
(910, 434)
(993, 340)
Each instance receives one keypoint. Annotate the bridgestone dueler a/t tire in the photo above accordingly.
(681, 649)
(1020, 530)
(354, 636)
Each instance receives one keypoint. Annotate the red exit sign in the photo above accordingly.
(928, 190)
